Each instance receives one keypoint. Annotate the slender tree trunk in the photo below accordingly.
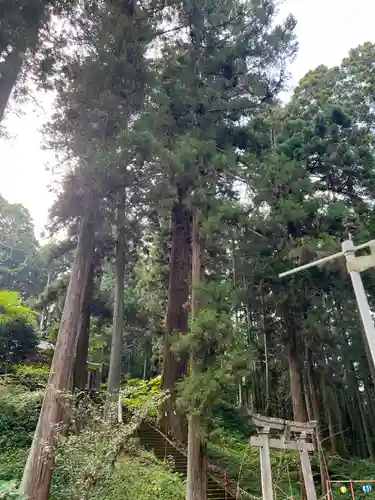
(114, 377)
(45, 309)
(174, 368)
(366, 431)
(308, 403)
(197, 465)
(312, 386)
(316, 415)
(144, 376)
(80, 367)
(298, 400)
(328, 411)
(36, 480)
(266, 363)
(369, 396)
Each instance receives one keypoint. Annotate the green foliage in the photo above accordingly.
(86, 461)
(8, 491)
(241, 462)
(12, 463)
(21, 267)
(31, 376)
(136, 393)
(99, 463)
(138, 477)
(17, 341)
(18, 336)
(350, 469)
(12, 309)
(217, 346)
(19, 411)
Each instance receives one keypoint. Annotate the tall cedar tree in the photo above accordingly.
(228, 60)
(86, 132)
(222, 66)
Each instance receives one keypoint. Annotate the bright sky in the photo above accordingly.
(327, 30)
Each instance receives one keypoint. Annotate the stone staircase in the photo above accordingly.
(164, 449)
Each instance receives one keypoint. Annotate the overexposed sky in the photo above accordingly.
(327, 30)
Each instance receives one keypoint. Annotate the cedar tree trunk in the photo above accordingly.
(114, 377)
(298, 400)
(80, 367)
(174, 368)
(197, 465)
(37, 476)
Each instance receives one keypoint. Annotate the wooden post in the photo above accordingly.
(352, 490)
(328, 489)
(265, 464)
(306, 468)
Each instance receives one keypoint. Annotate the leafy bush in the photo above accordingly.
(86, 462)
(19, 411)
(136, 392)
(241, 463)
(8, 491)
(350, 469)
(12, 464)
(18, 336)
(139, 478)
(12, 309)
(18, 339)
(33, 377)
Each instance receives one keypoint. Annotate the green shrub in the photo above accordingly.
(84, 461)
(18, 337)
(8, 491)
(340, 469)
(234, 456)
(19, 411)
(139, 478)
(137, 392)
(12, 464)
(32, 377)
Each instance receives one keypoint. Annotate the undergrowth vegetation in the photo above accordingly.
(104, 461)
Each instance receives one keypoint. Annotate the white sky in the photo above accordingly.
(326, 30)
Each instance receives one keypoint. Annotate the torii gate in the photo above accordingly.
(294, 436)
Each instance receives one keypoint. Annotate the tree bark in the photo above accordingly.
(357, 394)
(316, 415)
(11, 67)
(298, 400)
(174, 367)
(114, 376)
(10, 70)
(197, 465)
(80, 367)
(328, 411)
(37, 476)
